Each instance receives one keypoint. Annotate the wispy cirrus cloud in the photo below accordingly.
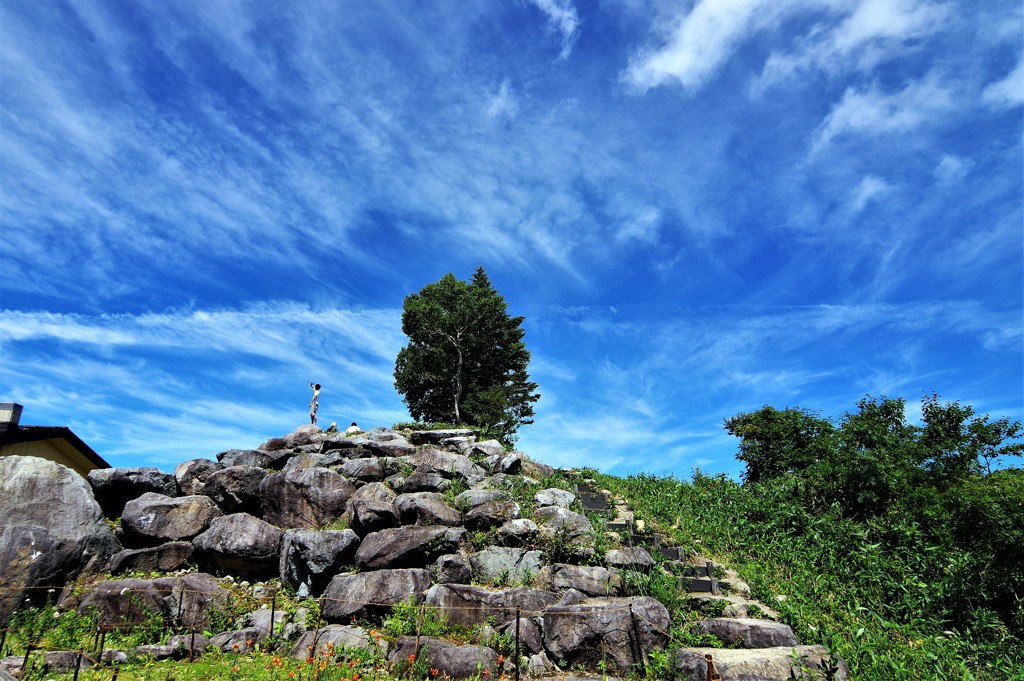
(564, 19)
(872, 112)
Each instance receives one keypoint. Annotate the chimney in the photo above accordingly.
(10, 415)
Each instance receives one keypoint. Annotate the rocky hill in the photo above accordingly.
(312, 542)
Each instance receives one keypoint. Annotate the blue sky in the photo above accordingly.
(699, 207)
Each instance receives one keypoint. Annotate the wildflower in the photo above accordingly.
(292, 674)
(248, 642)
(235, 669)
(487, 673)
(412, 657)
(235, 646)
(501, 658)
(310, 660)
(433, 672)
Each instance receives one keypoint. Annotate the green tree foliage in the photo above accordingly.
(924, 492)
(466, 361)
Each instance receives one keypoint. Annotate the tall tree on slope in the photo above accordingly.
(466, 361)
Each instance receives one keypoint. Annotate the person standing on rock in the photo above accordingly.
(315, 403)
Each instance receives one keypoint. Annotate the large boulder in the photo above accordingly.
(245, 457)
(747, 632)
(517, 532)
(448, 465)
(235, 489)
(367, 470)
(115, 487)
(436, 437)
(310, 558)
(468, 606)
(472, 498)
(589, 580)
(505, 566)
(629, 558)
(164, 558)
(334, 637)
(153, 518)
(305, 498)
(554, 497)
(239, 544)
(52, 530)
(764, 664)
(491, 514)
(426, 508)
(455, 661)
(191, 475)
(371, 593)
(185, 601)
(606, 630)
(370, 515)
(373, 490)
(410, 546)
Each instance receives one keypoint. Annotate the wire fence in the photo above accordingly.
(140, 615)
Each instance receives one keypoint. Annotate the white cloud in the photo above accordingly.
(562, 16)
(952, 169)
(868, 33)
(1008, 92)
(698, 43)
(872, 112)
(504, 104)
(869, 188)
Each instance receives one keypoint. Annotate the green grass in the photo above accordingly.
(866, 590)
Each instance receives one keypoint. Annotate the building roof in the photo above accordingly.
(17, 434)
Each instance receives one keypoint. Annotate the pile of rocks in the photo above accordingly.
(363, 523)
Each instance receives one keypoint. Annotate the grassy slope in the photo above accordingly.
(844, 584)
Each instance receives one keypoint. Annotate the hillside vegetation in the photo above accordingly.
(897, 546)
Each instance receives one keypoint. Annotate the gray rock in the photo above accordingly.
(554, 497)
(472, 498)
(333, 637)
(592, 581)
(426, 481)
(52, 529)
(425, 508)
(239, 640)
(449, 465)
(186, 642)
(454, 569)
(369, 515)
(407, 547)
(394, 447)
(468, 606)
(767, 664)
(57, 661)
(115, 487)
(191, 475)
(164, 558)
(310, 558)
(185, 601)
(314, 460)
(552, 519)
(374, 490)
(155, 652)
(436, 437)
(604, 628)
(486, 448)
(371, 593)
(305, 498)
(235, 489)
(518, 532)
(491, 514)
(241, 545)
(340, 441)
(154, 519)
(458, 662)
(501, 565)
(629, 558)
(245, 457)
(284, 625)
(750, 633)
(367, 470)
(530, 638)
(509, 464)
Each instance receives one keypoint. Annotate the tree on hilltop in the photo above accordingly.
(466, 361)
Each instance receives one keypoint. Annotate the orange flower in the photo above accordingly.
(292, 674)
(310, 660)
(235, 669)
(235, 646)
(487, 673)
(501, 658)
(412, 657)
(433, 672)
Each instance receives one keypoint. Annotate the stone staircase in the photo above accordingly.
(760, 648)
